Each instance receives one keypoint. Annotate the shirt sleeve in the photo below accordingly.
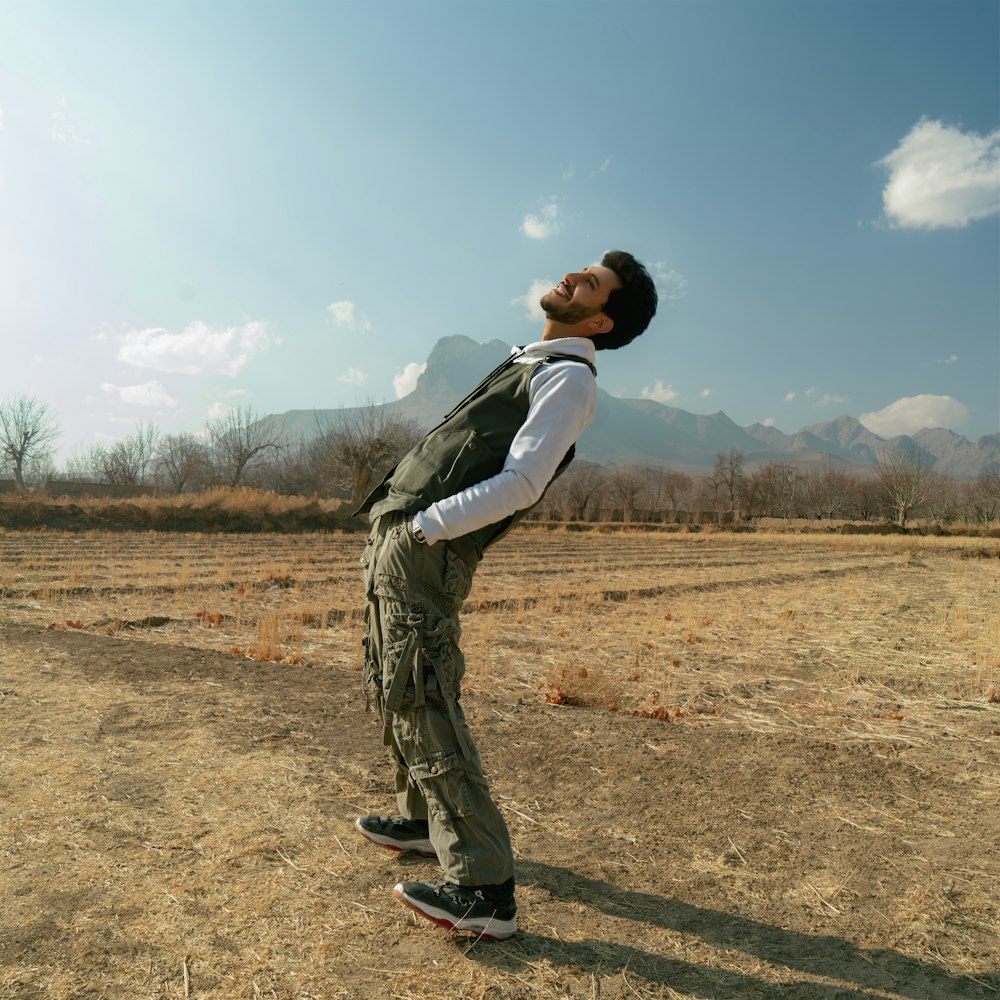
(562, 401)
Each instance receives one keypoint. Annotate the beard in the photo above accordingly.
(566, 312)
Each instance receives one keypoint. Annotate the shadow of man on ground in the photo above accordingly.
(879, 969)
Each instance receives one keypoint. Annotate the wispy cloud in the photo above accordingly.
(659, 392)
(812, 394)
(950, 360)
(62, 128)
(346, 316)
(151, 393)
(198, 349)
(406, 381)
(603, 168)
(353, 376)
(530, 299)
(543, 225)
(940, 176)
(831, 399)
(671, 284)
(913, 413)
(705, 393)
(768, 421)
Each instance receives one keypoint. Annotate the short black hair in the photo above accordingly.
(632, 306)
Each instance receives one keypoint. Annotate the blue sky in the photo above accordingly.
(285, 205)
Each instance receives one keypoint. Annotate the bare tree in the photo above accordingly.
(85, 465)
(126, 462)
(905, 480)
(358, 446)
(661, 490)
(624, 488)
(580, 488)
(772, 489)
(750, 491)
(727, 475)
(828, 493)
(675, 486)
(181, 462)
(27, 432)
(237, 439)
(942, 500)
(982, 496)
(865, 496)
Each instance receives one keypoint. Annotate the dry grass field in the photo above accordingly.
(734, 766)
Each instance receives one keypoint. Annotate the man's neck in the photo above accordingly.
(560, 331)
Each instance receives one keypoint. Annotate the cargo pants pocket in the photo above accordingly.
(445, 785)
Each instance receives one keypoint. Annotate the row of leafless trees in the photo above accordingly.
(899, 487)
(342, 457)
(347, 455)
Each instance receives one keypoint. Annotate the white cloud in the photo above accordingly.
(406, 381)
(830, 399)
(659, 392)
(198, 349)
(789, 396)
(353, 376)
(61, 127)
(705, 393)
(671, 284)
(543, 225)
(529, 300)
(768, 421)
(950, 360)
(603, 168)
(913, 413)
(217, 411)
(346, 317)
(940, 176)
(148, 394)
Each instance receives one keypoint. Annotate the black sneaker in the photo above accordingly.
(397, 834)
(461, 908)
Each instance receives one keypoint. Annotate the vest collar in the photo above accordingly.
(578, 347)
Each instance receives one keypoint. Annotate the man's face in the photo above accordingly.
(580, 295)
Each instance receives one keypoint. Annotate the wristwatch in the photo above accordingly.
(417, 533)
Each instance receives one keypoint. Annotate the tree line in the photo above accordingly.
(899, 487)
(349, 452)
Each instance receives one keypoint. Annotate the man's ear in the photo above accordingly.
(601, 323)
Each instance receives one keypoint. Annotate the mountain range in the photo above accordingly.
(642, 431)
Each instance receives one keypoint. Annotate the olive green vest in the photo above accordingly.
(469, 445)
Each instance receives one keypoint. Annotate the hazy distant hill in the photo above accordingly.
(629, 431)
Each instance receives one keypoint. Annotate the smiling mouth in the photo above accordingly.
(561, 290)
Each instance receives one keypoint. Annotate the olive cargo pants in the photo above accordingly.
(412, 675)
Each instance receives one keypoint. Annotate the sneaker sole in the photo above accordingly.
(491, 928)
(423, 847)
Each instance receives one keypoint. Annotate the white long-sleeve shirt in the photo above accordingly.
(562, 400)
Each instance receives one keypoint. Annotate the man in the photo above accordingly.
(460, 489)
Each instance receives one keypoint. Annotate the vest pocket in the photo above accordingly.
(445, 463)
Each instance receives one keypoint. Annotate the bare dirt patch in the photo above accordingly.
(815, 814)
